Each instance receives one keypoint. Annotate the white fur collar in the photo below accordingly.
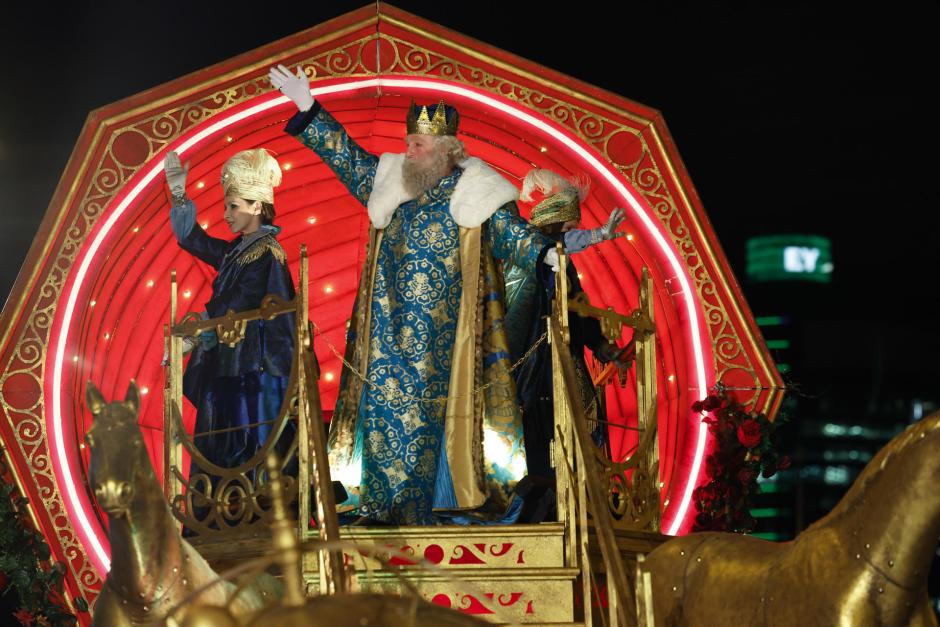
(480, 191)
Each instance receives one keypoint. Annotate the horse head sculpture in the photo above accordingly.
(119, 461)
(152, 568)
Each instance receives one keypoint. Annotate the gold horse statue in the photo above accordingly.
(865, 563)
(152, 567)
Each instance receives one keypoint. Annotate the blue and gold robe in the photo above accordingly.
(434, 421)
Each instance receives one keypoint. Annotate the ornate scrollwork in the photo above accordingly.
(633, 490)
(217, 501)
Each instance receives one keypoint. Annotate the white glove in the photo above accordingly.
(175, 174)
(297, 88)
(577, 240)
(616, 217)
(551, 259)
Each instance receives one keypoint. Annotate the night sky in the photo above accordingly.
(823, 114)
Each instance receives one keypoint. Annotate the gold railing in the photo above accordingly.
(594, 492)
(238, 503)
(592, 488)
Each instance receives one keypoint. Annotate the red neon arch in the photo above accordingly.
(110, 327)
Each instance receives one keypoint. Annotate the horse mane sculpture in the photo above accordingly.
(865, 563)
(152, 567)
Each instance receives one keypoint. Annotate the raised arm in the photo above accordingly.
(183, 216)
(512, 239)
(319, 131)
(577, 240)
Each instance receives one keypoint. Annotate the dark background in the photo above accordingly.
(789, 118)
(822, 110)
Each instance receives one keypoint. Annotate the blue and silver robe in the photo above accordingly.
(426, 332)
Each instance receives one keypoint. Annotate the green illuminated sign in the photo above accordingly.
(789, 258)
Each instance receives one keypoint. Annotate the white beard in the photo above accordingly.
(418, 176)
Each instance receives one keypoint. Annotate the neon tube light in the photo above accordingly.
(91, 534)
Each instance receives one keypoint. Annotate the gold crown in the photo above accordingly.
(420, 122)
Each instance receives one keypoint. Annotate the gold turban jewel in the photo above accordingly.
(252, 175)
(563, 196)
(557, 208)
(444, 121)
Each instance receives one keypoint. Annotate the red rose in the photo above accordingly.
(746, 475)
(723, 425)
(712, 467)
(783, 463)
(706, 493)
(734, 463)
(749, 433)
(24, 616)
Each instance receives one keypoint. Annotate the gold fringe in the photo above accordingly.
(259, 248)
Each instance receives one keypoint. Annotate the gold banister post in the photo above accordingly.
(571, 491)
(315, 460)
(639, 504)
(303, 424)
(562, 448)
(588, 474)
(647, 411)
(172, 398)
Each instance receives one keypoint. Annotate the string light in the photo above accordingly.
(205, 225)
(107, 336)
(144, 391)
(286, 166)
(229, 138)
(150, 283)
(200, 185)
(92, 303)
(543, 149)
(136, 229)
(328, 376)
(629, 237)
(671, 378)
(187, 294)
(75, 359)
(328, 289)
(312, 220)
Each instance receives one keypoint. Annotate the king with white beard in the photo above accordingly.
(428, 409)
